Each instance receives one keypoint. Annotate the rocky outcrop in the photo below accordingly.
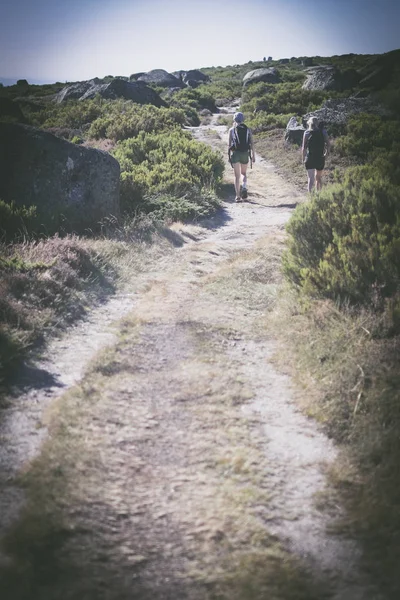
(40, 169)
(336, 112)
(137, 91)
(11, 110)
(269, 75)
(75, 91)
(192, 78)
(326, 77)
(161, 78)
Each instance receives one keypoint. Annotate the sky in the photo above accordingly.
(73, 40)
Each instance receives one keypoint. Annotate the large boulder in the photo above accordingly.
(161, 78)
(40, 169)
(137, 91)
(193, 78)
(75, 91)
(269, 75)
(326, 77)
(336, 112)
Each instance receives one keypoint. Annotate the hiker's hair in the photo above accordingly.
(312, 123)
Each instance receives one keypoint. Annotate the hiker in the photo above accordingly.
(314, 150)
(240, 150)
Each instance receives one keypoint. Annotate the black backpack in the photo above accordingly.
(240, 138)
(316, 143)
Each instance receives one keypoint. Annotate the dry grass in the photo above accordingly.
(48, 284)
(287, 159)
(347, 364)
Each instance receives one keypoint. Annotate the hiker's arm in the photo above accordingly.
(253, 154)
(304, 147)
(327, 142)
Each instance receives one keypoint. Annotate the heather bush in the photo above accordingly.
(124, 119)
(368, 133)
(16, 221)
(282, 98)
(345, 242)
(166, 164)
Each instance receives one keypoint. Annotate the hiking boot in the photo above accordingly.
(244, 193)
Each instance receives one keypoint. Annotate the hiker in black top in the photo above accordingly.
(240, 149)
(314, 150)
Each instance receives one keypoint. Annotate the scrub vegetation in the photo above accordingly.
(339, 311)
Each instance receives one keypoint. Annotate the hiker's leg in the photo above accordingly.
(318, 178)
(311, 179)
(236, 168)
(243, 169)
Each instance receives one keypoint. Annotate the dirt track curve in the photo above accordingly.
(177, 466)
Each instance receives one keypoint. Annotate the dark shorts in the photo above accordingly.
(315, 162)
(240, 157)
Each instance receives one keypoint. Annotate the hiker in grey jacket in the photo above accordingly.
(241, 149)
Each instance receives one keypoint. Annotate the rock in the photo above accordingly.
(205, 113)
(294, 131)
(75, 91)
(137, 91)
(269, 75)
(336, 112)
(136, 76)
(284, 61)
(194, 75)
(11, 110)
(40, 169)
(161, 78)
(326, 77)
(307, 62)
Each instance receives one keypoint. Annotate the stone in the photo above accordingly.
(137, 91)
(194, 75)
(269, 75)
(42, 170)
(161, 78)
(336, 112)
(307, 61)
(328, 78)
(294, 131)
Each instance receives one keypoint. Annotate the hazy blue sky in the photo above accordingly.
(79, 39)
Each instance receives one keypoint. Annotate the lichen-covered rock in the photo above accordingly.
(137, 91)
(76, 90)
(336, 112)
(269, 75)
(161, 78)
(294, 131)
(326, 77)
(40, 169)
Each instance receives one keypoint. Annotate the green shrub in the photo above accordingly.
(263, 121)
(345, 243)
(366, 133)
(282, 98)
(126, 120)
(166, 164)
(16, 221)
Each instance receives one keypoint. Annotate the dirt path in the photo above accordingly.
(179, 466)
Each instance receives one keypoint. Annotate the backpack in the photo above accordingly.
(316, 143)
(240, 138)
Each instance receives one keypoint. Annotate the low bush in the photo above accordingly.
(16, 221)
(123, 120)
(157, 165)
(345, 243)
